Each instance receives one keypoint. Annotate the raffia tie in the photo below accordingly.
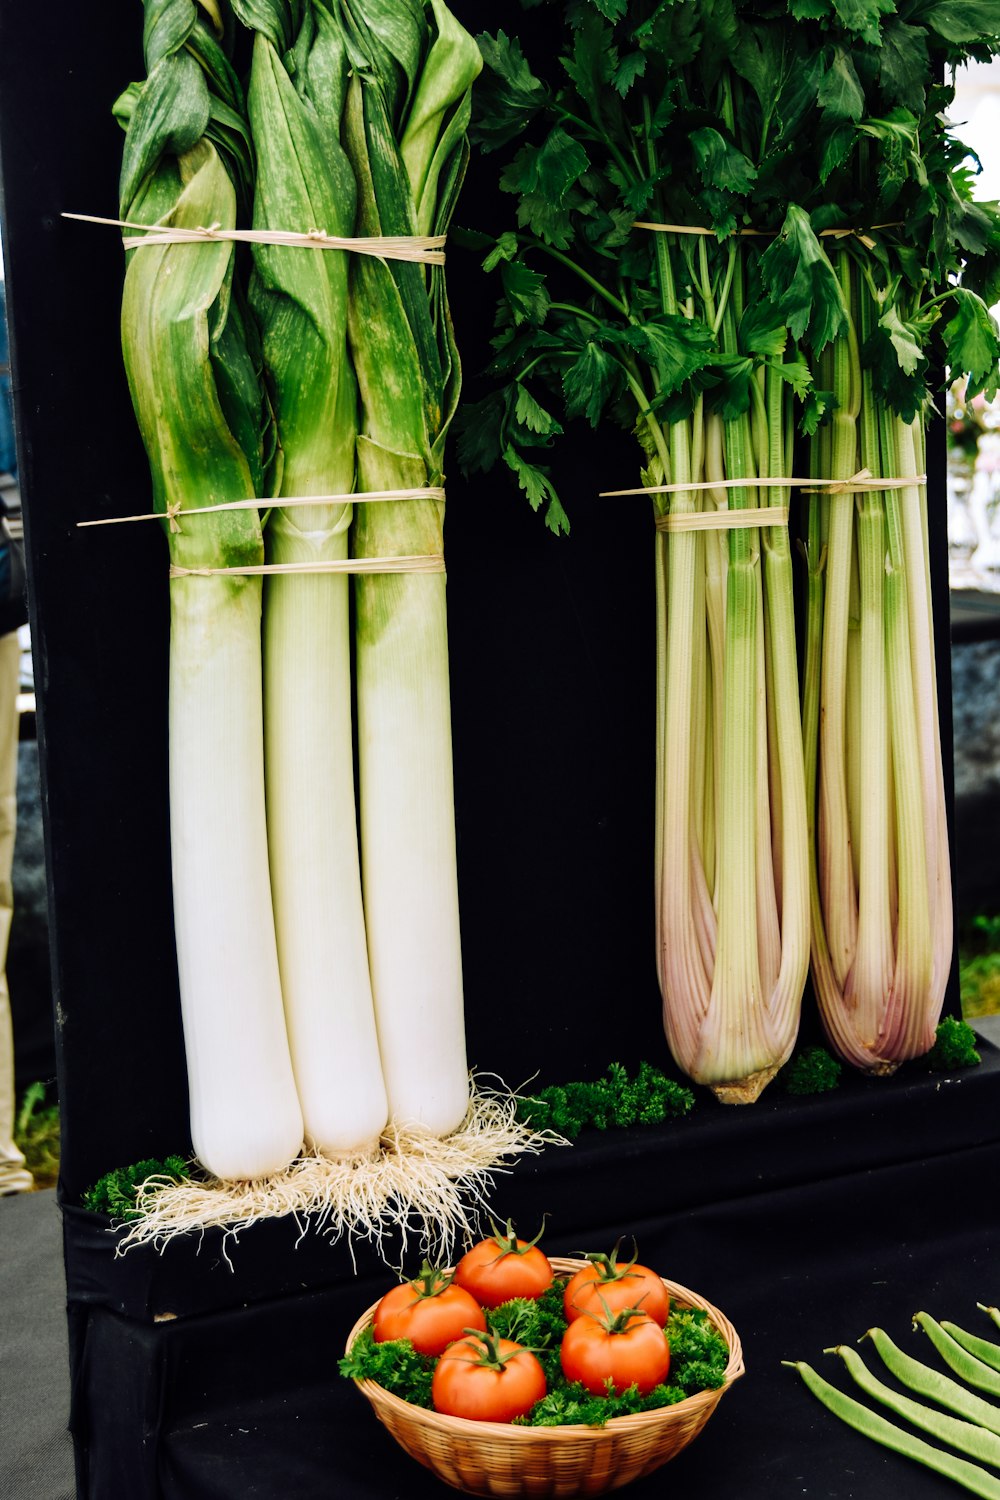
(865, 236)
(425, 248)
(421, 563)
(863, 482)
(280, 502)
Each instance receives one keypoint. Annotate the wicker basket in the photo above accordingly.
(492, 1458)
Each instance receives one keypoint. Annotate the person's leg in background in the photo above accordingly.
(14, 1176)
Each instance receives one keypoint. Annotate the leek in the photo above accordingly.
(191, 371)
(303, 182)
(404, 133)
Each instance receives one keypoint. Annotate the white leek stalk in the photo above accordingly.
(408, 109)
(180, 325)
(304, 181)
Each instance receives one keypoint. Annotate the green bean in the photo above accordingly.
(964, 1364)
(968, 1437)
(932, 1384)
(983, 1349)
(865, 1421)
(993, 1312)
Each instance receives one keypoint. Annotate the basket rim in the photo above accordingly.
(466, 1426)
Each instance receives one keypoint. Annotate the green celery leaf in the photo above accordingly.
(536, 484)
(972, 343)
(904, 389)
(673, 345)
(505, 248)
(905, 339)
(479, 428)
(864, 17)
(631, 68)
(762, 329)
(797, 373)
(799, 277)
(508, 96)
(961, 21)
(811, 10)
(591, 64)
(837, 146)
(590, 382)
(534, 417)
(840, 93)
(731, 395)
(903, 63)
(816, 407)
(613, 10)
(549, 170)
(525, 292)
(720, 163)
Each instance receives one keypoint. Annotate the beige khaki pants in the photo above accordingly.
(14, 1177)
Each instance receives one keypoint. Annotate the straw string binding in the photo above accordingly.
(865, 236)
(423, 563)
(425, 248)
(281, 502)
(863, 482)
(432, 562)
(724, 520)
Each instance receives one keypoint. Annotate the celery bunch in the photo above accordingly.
(808, 144)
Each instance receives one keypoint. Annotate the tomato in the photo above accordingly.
(431, 1312)
(629, 1349)
(606, 1285)
(503, 1267)
(487, 1379)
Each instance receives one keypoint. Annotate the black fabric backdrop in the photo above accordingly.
(803, 1222)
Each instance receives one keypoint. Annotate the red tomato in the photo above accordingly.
(607, 1285)
(503, 1267)
(627, 1350)
(431, 1312)
(487, 1379)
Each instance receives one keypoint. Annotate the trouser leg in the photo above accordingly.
(14, 1177)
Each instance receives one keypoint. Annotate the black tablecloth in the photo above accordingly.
(234, 1392)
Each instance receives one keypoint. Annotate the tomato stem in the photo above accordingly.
(508, 1242)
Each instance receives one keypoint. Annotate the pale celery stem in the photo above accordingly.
(868, 987)
(700, 719)
(732, 1043)
(839, 895)
(852, 712)
(758, 423)
(824, 979)
(912, 458)
(906, 1025)
(732, 1046)
(685, 983)
(790, 836)
(768, 922)
(716, 563)
(770, 546)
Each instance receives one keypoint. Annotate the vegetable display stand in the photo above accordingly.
(210, 1370)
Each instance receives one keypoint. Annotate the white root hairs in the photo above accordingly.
(413, 1184)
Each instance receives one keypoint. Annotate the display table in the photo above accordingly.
(819, 1218)
(195, 1377)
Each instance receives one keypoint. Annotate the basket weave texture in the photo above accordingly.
(493, 1458)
